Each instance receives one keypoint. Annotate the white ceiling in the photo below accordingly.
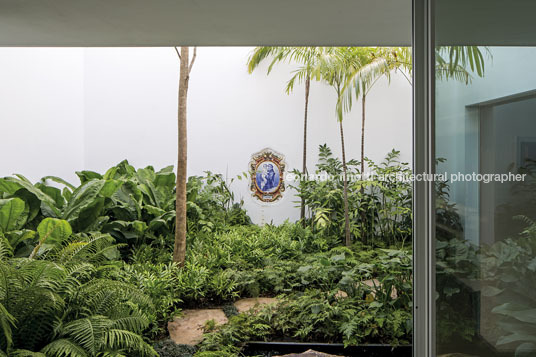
(204, 22)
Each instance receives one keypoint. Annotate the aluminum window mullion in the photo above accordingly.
(423, 191)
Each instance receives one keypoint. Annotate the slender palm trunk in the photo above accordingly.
(179, 249)
(304, 165)
(363, 136)
(347, 240)
(363, 215)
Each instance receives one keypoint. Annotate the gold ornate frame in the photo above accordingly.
(256, 160)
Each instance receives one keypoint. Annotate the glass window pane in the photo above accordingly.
(485, 131)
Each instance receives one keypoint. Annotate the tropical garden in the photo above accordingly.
(100, 267)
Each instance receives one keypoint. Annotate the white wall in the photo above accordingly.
(457, 131)
(129, 110)
(41, 112)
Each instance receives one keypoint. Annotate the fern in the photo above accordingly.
(7, 321)
(66, 311)
(5, 248)
(96, 248)
(64, 347)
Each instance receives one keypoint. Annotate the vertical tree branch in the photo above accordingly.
(179, 248)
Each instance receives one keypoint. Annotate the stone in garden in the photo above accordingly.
(188, 328)
(255, 304)
(308, 353)
(341, 294)
(375, 282)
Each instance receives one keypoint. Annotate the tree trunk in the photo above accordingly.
(363, 215)
(363, 136)
(179, 249)
(347, 240)
(304, 165)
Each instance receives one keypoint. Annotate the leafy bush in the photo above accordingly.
(211, 204)
(379, 207)
(160, 282)
(136, 207)
(315, 316)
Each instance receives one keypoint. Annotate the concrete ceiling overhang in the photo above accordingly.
(204, 22)
(259, 22)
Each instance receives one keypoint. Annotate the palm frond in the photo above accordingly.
(362, 79)
(308, 59)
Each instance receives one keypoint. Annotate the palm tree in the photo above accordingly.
(373, 63)
(308, 58)
(369, 64)
(335, 66)
(451, 62)
(179, 248)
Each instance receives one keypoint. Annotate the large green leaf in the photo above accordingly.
(13, 214)
(123, 170)
(32, 202)
(21, 241)
(87, 202)
(127, 202)
(53, 230)
(526, 349)
(515, 337)
(86, 176)
(110, 187)
(165, 180)
(54, 193)
(82, 197)
(57, 180)
(13, 184)
(516, 311)
(7, 186)
(89, 215)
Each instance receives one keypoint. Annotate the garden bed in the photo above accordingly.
(103, 249)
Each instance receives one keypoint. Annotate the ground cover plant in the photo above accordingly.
(87, 269)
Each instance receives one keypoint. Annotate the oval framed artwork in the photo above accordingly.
(266, 169)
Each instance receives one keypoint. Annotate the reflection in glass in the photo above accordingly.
(486, 210)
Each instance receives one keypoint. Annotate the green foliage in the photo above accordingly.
(506, 270)
(161, 282)
(57, 310)
(136, 207)
(13, 214)
(379, 207)
(318, 316)
(211, 205)
(168, 348)
(51, 231)
(509, 272)
(86, 270)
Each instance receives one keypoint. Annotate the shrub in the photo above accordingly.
(380, 208)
